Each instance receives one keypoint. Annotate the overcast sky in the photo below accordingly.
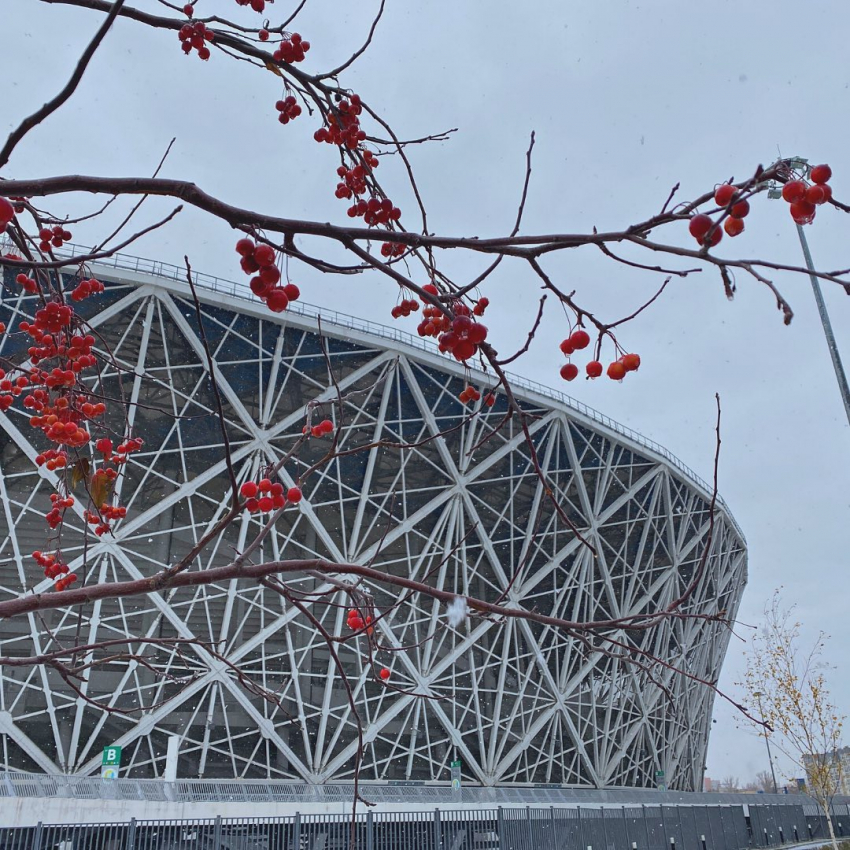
(627, 99)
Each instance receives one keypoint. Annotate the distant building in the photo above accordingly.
(838, 762)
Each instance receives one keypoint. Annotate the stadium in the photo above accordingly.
(460, 507)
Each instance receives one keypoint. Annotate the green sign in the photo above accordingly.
(659, 774)
(111, 756)
(456, 776)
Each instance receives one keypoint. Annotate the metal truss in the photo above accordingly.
(516, 702)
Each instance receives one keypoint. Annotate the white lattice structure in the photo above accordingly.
(517, 703)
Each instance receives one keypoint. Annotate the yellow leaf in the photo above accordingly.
(273, 68)
(80, 472)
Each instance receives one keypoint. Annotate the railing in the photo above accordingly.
(33, 785)
(168, 271)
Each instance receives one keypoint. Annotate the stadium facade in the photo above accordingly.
(515, 702)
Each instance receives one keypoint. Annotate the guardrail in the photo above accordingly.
(33, 785)
(169, 271)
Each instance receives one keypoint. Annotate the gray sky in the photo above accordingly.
(627, 99)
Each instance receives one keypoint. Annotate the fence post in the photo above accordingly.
(296, 832)
(646, 826)
(552, 826)
(529, 830)
(131, 834)
(370, 833)
(500, 826)
(217, 832)
(36, 842)
(438, 830)
(710, 827)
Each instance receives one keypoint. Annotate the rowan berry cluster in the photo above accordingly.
(464, 334)
(60, 504)
(353, 181)
(54, 567)
(405, 307)
(804, 198)
(291, 49)
(356, 622)
(85, 288)
(619, 368)
(576, 341)
(266, 496)
(469, 394)
(54, 237)
(392, 249)
(324, 428)
(288, 108)
(261, 259)
(195, 36)
(344, 126)
(375, 211)
(52, 459)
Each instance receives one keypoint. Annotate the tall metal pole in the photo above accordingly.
(757, 695)
(827, 329)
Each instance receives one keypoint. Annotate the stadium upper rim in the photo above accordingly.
(341, 323)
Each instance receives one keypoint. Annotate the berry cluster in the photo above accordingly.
(469, 394)
(805, 198)
(405, 308)
(576, 341)
(353, 181)
(196, 36)
(726, 196)
(54, 237)
(617, 370)
(375, 211)
(322, 429)
(86, 287)
(27, 283)
(392, 249)
(291, 49)
(60, 503)
(267, 496)
(52, 459)
(54, 567)
(344, 125)
(356, 621)
(289, 110)
(261, 259)
(256, 5)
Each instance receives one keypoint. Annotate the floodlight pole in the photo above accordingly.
(841, 377)
(757, 695)
(827, 326)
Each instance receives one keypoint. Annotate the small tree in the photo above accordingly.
(786, 684)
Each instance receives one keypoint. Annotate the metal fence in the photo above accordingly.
(612, 828)
(168, 271)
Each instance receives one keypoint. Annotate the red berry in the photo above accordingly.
(723, 194)
(188, 10)
(631, 362)
(821, 174)
(7, 212)
(249, 490)
(567, 346)
(265, 485)
(294, 494)
(580, 339)
(266, 504)
(569, 371)
(733, 226)
(264, 255)
(464, 349)
(593, 369)
(252, 505)
(740, 210)
(489, 399)
(384, 674)
(699, 225)
(264, 35)
(815, 194)
(802, 212)
(793, 191)
(292, 291)
(827, 192)
(327, 426)
(616, 371)
(277, 300)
